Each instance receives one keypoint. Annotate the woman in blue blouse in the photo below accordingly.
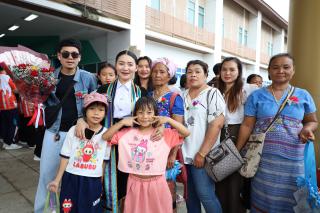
(282, 159)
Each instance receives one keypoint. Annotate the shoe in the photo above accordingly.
(13, 146)
(5, 145)
(23, 143)
(36, 158)
(32, 147)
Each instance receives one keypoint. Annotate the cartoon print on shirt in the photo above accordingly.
(139, 152)
(67, 205)
(87, 152)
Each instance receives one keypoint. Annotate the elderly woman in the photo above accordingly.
(204, 116)
(282, 159)
(170, 104)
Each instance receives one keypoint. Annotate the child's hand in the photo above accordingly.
(160, 120)
(157, 133)
(129, 121)
(53, 186)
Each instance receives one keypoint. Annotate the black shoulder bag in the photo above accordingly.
(51, 112)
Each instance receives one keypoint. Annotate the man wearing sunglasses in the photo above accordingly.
(72, 84)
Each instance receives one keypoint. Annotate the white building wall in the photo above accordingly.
(116, 43)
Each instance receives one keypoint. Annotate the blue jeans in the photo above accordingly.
(49, 164)
(201, 189)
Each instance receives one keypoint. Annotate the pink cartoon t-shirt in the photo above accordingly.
(139, 155)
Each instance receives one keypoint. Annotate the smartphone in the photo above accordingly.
(88, 133)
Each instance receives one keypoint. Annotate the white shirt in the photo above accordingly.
(122, 100)
(237, 116)
(197, 118)
(174, 88)
(85, 156)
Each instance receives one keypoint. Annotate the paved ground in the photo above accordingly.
(19, 178)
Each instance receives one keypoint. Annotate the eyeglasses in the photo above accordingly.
(66, 54)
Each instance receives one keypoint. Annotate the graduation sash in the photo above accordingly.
(110, 177)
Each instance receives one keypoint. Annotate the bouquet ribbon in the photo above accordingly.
(37, 118)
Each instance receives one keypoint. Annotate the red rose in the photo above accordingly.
(78, 94)
(22, 66)
(44, 70)
(163, 99)
(45, 82)
(34, 73)
(294, 99)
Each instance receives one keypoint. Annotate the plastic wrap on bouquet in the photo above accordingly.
(307, 196)
(171, 174)
(52, 204)
(33, 76)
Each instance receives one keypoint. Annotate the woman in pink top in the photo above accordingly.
(143, 159)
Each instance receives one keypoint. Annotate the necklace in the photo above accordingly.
(159, 95)
(274, 96)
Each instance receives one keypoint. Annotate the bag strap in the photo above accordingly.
(66, 94)
(172, 100)
(208, 96)
(292, 89)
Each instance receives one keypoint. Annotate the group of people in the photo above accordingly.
(114, 139)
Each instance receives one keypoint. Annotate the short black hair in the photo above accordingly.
(199, 62)
(183, 81)
(103, 65)
(252, 76)
(144, 103)
(173, 80)
(70, 43)
(216, 68)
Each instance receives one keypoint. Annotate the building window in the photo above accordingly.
(240, 34)
(270, 49)
(191, 11)
(201, 17)
(245, 42)
(155, 4)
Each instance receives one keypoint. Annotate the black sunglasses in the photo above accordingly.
(66, 54)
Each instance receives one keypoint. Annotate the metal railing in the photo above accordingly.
(119, 8)
(234, 47)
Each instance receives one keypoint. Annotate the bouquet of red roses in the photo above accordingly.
(33, 76)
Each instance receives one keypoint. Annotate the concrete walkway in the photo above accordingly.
(19, 179)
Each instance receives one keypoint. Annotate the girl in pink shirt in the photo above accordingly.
(143, 159)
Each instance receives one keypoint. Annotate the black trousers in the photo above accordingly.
(39, 134)
(9, 121)
(26, 133)
(228, 190)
